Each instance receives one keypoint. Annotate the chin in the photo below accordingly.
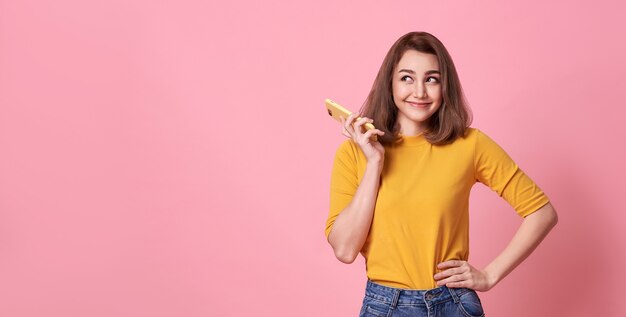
(421, 119)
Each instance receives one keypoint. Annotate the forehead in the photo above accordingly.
(418, 61)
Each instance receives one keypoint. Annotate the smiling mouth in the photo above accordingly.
(419, 105)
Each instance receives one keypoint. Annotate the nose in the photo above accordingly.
(420, 90)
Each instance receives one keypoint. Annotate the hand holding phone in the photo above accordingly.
(353, 128)
(336, 111)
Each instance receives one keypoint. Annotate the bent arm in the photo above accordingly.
(352, 226)
(532, 231)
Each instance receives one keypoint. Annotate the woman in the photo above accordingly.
(402, 201)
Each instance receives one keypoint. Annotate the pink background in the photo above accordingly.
(172, 158)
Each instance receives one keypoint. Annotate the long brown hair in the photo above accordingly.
(453, 116)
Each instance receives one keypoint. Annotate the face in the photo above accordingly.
(416, 86)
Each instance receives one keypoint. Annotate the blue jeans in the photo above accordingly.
(385, 301)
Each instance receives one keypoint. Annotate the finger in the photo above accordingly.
(343, 128)
(446, 273)
(369, 133)
(451, 279)
(362, 121)
(359, 123)
(343, 123)
(458, 284)
(350, 118)
(347, 126)
(450, 263)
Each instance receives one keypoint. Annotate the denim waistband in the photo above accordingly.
(399, 296)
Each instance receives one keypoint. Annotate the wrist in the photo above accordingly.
(376, 164)
(492, 277)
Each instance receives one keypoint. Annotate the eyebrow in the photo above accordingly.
(413, 72)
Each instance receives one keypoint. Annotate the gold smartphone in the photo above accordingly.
(336, 111)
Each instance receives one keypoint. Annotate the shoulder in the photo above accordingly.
(476, 141)
(477, 136)
(483, 139)
(473, 133)
(347, 146)
(467, 140)
(347, 150)
(487, 149)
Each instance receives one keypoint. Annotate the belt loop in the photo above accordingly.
(454, 296)
(396, 296)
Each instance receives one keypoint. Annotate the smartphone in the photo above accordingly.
(336, 111)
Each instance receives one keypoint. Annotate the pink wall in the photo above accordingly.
(172, 158)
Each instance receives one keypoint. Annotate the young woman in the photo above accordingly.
(403, 201)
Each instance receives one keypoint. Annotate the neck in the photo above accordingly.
(410, 128)
(412, 131)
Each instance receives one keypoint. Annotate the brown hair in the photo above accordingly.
(453, 116)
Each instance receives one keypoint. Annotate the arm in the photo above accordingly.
(531, 232)
(352, 226)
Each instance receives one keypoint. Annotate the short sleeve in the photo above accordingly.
(343, 182)
(495, 168)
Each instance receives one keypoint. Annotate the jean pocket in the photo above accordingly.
(374, 308)
(470, 305)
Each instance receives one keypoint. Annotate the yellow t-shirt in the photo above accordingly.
(421, 217)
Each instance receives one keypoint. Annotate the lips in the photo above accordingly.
(419, 104)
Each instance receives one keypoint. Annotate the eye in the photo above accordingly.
(407, 78)
(435, 78)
